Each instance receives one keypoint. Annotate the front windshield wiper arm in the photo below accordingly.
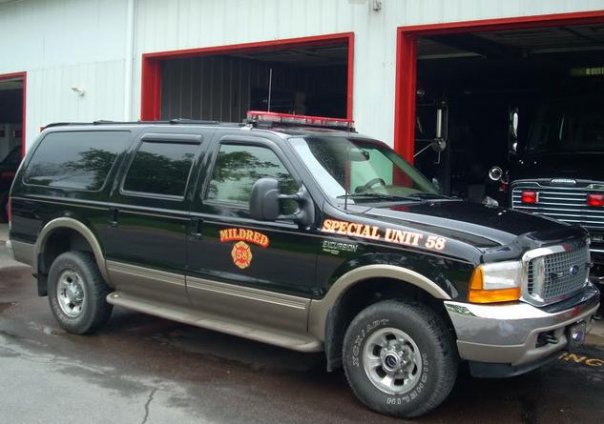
(393, 197)
(379, 196)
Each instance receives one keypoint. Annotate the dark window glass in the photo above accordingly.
(161, 168)
(238, 167)
(75, 160)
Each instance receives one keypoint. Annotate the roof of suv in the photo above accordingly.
(275, 128)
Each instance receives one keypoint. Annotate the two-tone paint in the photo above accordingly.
(170, 257)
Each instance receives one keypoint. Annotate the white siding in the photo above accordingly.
(65, 43)
(62, 44)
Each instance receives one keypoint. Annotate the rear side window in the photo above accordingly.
(161, 168)
(75, 160)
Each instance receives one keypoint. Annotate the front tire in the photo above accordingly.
(77, 293)
(399, 358)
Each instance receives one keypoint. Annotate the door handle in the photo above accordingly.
(114, 215)
(196, 228)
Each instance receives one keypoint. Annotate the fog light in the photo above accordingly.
(576, 334)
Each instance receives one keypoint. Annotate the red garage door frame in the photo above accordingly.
(406, 61)
(22, 76)
(151, 65)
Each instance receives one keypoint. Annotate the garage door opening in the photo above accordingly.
(311, 76)
(493, 86)
(12, 100)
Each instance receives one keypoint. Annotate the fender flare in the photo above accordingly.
(319, 309)
(77, 226)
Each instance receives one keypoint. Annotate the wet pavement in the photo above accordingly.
(142, 369)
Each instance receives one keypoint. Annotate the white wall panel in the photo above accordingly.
(205, 23)
(59, 42)
(50, 97)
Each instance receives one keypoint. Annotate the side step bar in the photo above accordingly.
(288, 340)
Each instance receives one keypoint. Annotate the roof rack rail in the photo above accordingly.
(176, 121)
(193, 121)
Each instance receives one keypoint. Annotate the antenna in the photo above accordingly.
(270, 88)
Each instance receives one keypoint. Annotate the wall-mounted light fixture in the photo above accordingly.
(376, 5)
(79, 91)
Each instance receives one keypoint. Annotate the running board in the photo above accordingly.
(288, 340)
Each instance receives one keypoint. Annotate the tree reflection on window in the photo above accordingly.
(238, 167)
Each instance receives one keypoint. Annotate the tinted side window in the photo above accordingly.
(161, 168)
(238, 167)
(75, 160)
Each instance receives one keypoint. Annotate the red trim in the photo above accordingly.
(23, 76)
(404, 109)
(151, 66)
(349, 94)
(404, 102)
(151, 89)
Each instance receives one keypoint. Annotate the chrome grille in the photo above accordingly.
(557, 275)
(566, 203)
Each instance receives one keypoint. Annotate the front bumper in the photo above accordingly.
(510, 333)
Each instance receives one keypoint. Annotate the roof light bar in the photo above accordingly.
(305, 120)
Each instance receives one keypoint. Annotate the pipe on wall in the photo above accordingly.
(128, 59)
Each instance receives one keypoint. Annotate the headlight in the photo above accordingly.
(496, 282)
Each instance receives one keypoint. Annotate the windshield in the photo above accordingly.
(361, 170)
(568, 125)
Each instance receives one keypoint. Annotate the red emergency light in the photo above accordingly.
(303, 120)
(530, 197)
(595, 200)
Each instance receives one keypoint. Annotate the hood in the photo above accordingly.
(585, 165)
(472, 223)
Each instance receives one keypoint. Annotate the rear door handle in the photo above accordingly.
(196, 228)
(114, 215)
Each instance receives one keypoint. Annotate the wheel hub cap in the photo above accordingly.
(392, 361)
(70, 294)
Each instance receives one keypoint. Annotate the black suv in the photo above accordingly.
(308, 238)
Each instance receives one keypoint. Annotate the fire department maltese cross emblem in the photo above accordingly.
(242, 254)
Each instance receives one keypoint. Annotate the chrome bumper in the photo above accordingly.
(508, 333)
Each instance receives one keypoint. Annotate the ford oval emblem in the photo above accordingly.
(573, 270)
(564, 181)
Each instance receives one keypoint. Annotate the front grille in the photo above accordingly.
(555, 276)
(566, 203)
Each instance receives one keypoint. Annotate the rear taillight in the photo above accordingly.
(595, 200)
(529, 197)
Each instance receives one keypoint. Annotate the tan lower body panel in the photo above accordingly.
(189, 315)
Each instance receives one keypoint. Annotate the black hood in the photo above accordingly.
(579, 166)
(472, 223)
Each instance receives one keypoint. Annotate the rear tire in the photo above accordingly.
(400, 358)
(77, 293)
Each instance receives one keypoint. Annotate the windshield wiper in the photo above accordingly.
(392, 197)
(379, 196)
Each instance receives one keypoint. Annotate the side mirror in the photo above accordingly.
(265, 203)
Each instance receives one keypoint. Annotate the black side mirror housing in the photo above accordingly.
(265, 203)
